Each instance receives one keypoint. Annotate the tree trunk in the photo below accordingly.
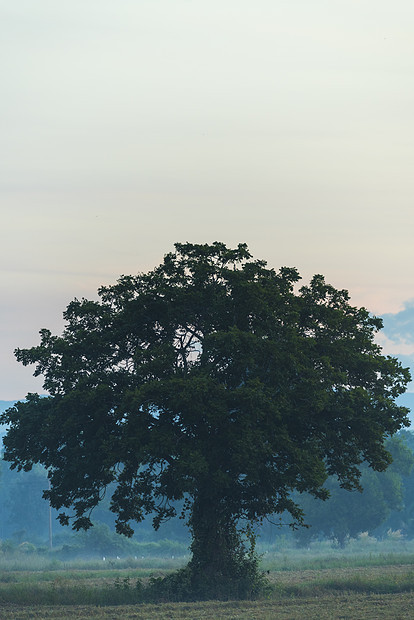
(215, 542)
(221, 566)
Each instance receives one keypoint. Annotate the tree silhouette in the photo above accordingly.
(213, 380)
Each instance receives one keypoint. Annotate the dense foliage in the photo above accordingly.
(212, 380)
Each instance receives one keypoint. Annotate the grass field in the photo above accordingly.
(343, 606)
(309, 585)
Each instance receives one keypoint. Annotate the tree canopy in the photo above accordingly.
(211, 379)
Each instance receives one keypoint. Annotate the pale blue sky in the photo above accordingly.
(127, 126)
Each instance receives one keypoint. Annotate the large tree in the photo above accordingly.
(211, 379)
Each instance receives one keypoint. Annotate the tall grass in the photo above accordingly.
(22, 563)
(363, 551)
(275, 562)
(42, 579)
(126, 591)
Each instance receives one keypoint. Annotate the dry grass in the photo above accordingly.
(329, 607)
(386, 574)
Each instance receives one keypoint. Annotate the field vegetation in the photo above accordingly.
(367, 578)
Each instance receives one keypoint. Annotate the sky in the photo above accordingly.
(128, 126)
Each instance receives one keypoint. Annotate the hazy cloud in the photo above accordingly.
(400, 326)
(397, 337)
